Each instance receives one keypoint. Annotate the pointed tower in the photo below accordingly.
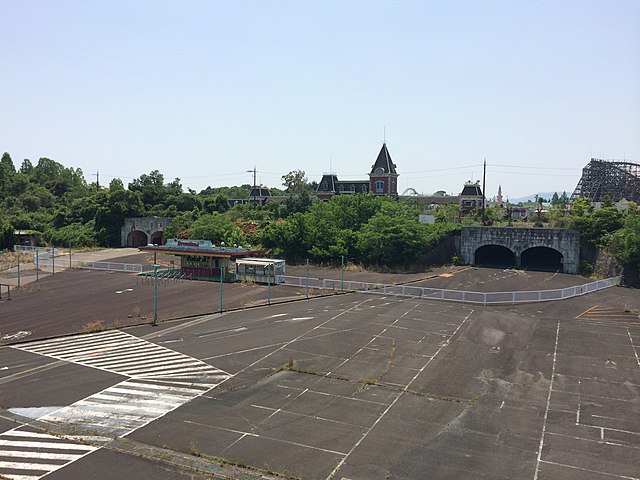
(383, 177)
(500, 196)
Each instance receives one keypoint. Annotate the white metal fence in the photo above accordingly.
(112, 266)
(482, 298)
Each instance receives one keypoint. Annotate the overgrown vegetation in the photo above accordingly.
(57, 205)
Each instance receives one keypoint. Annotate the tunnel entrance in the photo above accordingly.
(542, 258)
(495, 256)
(137, 239)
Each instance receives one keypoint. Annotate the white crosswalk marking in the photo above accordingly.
(28, 455)
(159, 381)
(119, 352)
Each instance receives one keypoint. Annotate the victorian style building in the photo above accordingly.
(383, 180)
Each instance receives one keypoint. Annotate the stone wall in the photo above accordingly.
(150, 226)
(517, 239)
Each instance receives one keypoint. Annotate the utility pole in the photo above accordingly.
(254, 171)
(484, 177)
(97, 175)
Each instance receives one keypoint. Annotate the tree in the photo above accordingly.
(390, 237)
(218, 228)
(215, 203)
(625, 244)
(7, 172)
(26, 167)
(580, 206)
(297, 203)
(6, 234)
(116, 184)
(150, 187)
(555, 200)
(295, 182)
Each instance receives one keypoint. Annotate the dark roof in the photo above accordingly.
(328, 183)
(472, 189)
(259, 191)
(384, 161)
(209, 252)
(352, 186)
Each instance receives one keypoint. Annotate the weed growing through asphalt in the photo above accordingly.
(92, 327)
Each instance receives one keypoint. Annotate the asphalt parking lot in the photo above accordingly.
(356, 386)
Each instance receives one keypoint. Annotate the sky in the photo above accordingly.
(204, 91)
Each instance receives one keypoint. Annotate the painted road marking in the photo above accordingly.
(159, 381)
(124, 354)
(31, 455)
(608, 313)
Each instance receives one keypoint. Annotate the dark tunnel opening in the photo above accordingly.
(541, 258)
(494, 256)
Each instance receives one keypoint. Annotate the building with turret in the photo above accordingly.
(383, 180)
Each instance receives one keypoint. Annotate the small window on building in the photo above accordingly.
(379, 186)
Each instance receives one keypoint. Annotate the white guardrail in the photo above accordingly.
(482, 298)
(112, 266)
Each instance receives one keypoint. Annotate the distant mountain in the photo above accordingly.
(532, 197)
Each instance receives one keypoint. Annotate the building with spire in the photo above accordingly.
(383, 180)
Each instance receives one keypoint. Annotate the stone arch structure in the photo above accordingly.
(157, 238)
(532, 242)
(494, 256)
(137, 238)
(150, 228)
(542, 258)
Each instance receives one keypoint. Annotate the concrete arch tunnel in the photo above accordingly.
(542, 258)
(534, 258)
(547, 249)
(494, 256)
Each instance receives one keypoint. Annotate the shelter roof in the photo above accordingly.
(199, 247)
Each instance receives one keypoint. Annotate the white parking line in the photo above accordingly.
(546, 411)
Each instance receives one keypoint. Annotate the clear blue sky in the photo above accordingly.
(205, 90)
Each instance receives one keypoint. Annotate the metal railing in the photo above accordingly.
(112, 266)
(461, 296)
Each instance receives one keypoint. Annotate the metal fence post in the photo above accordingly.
(221, 276)
(18, 270)
(37, 269)
(53, 260)
(155, 295)
(307, 279)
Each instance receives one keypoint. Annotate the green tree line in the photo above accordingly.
(58, 204)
